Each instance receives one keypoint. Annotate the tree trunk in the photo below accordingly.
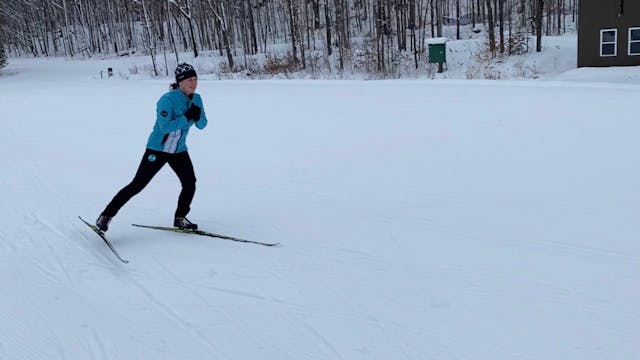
(327, 24)
(501, 19)
(492, 28)
(341, 31)
(457, 19)
(539, 14)
(439, 17)
(292, 27)
(252, 29)
(172, 41)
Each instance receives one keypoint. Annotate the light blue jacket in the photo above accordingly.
(172, 127)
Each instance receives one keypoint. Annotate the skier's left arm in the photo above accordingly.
(202, 123)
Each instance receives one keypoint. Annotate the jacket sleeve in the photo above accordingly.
(164, 121)
(202, 123)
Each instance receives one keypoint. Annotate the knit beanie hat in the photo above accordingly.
(184, 71)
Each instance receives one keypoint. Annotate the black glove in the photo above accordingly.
(193, 113)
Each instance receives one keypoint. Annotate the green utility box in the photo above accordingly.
(437, 50)
(437, 53)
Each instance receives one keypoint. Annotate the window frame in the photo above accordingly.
(636, 28)
(615, 42)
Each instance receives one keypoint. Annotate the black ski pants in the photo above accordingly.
(151, 163)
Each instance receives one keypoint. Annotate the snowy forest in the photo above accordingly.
(288, 35)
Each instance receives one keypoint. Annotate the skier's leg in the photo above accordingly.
(183, 167)
(151, 163)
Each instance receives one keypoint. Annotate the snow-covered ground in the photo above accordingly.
(425, 219)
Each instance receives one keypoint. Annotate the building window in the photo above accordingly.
(634, 41)
(608, 42)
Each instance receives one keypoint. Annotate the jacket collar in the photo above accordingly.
(183, 94)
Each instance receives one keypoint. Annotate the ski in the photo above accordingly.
(204, 233)
(104, 238)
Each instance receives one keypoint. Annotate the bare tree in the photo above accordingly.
(341, 31)
(458, 19)
(538, 24)
(328, 26)
(381, 30)
(221, 23)
(501, 20)
(3, 56)
(149, 34)
(492, 28)
(185, 10)
(292, 7)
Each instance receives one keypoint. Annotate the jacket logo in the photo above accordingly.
(164, 113)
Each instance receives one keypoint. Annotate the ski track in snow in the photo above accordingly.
(334, 353)
(178, 320)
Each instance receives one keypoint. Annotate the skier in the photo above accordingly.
(176, 111)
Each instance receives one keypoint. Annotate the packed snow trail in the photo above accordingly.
(418, 220)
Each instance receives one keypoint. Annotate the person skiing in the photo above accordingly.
(176, 111)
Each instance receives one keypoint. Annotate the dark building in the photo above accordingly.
(608, 33)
